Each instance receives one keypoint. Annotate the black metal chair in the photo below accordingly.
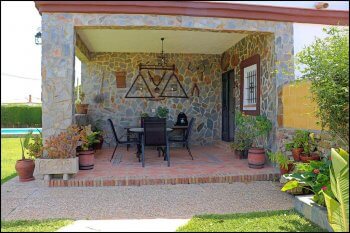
(155, 134)
(127, 142)
(185, 141)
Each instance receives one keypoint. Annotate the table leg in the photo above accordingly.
(139, 149)
(128, 139)
(183, 136)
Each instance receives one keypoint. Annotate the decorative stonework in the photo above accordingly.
(262, 44)
(206, 108)
(58, 40)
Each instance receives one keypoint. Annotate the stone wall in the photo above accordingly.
(262, 44)
(206, 107)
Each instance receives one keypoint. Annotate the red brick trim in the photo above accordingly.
(203, 9)
(165, 180)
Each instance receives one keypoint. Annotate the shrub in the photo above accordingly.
(255, 128)
(63, 145)
(327, 67)
(20, 115)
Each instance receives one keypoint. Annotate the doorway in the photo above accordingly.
(228, 106)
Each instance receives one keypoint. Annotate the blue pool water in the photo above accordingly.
(19, 130)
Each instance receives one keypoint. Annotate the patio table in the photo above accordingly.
(139, 131)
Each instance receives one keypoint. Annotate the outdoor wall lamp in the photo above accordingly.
(38, 38)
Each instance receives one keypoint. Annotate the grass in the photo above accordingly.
(49, 225)
(269, 221)
(10, 153)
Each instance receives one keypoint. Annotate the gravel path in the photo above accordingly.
(33, 200)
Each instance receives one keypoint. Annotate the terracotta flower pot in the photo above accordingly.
(307, 158)
(98, 146)
(256, 157)
(239, 154)
(86, 160)
(285, 171)
(25, 169)
(81, 108)
(296, 153)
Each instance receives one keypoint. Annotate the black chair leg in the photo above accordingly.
(113, 152)
(168, 155)
(189, 151)
(143, 152)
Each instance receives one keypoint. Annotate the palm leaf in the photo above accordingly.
(338, 208)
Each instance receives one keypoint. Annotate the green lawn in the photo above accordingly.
(10, 153)
(49, 225)
(269, 221)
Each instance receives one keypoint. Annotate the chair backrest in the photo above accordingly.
(113, 130)
(189, 129)
(154, 131)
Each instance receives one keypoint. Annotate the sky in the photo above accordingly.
(21, 57)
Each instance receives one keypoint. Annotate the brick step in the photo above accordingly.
(128, 181)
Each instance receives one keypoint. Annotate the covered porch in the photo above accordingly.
(202, 51)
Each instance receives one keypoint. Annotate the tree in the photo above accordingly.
(326, 65)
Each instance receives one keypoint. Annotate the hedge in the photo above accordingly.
(19, 116)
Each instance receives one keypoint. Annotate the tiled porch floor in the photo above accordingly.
(211, 164)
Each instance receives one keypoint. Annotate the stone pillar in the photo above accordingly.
(57, 71)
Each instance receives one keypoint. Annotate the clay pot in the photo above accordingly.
(296, 153)
(285, 171)
(86, 160)
(98, 146)
(25, 169)
(307, 158)
(256, 157)
(239, 154)
(81, 108)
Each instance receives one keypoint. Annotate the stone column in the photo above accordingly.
(57, 71)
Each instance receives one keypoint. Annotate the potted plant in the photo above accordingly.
(80, 106)
(297, 144)
(310, 149)
(162, 112)
(100, 135)
(286, 165)
(86, 152)
(257, 128)
(142, 116)
(25, 166)
(242, 142)
(60, 154)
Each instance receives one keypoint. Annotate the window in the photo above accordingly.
(250, 85)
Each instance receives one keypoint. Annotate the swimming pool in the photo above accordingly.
(16, 131)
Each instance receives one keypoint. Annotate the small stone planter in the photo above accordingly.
(49, 167)
(312, 211)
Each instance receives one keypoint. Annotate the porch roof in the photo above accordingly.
(203, 9)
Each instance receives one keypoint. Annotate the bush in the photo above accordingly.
(20, 115)
(327, 67)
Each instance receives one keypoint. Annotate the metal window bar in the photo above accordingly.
(251, 89)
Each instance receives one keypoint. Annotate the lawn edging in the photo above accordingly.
(312, 211)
